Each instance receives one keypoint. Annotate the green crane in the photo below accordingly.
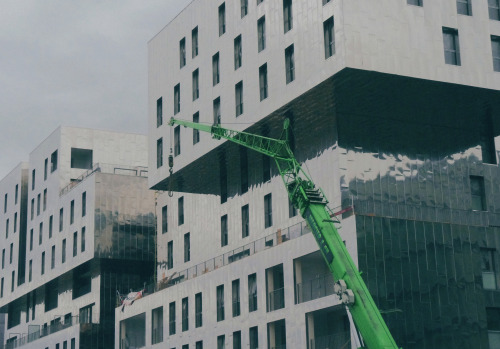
(311, 203)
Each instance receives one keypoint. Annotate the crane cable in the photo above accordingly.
(170, 167)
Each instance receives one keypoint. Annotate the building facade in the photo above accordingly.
(79, 226)
(394, 111)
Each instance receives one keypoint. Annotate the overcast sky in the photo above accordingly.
(74, 63)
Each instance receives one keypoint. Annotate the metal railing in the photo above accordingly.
(42, 331)
(319, 287)
(135, 171)
(276, 299)
(340, 340)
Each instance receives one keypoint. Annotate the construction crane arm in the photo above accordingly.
(311, 202)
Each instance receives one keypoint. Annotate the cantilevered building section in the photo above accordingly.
(394, 111)
(79, 226)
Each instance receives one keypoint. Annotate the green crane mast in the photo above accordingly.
(311, 203)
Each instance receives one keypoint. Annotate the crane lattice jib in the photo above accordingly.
(311, 203)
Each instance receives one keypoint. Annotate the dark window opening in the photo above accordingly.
(81, 158)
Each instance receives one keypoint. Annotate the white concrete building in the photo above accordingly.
(79, 226)
(394, 109)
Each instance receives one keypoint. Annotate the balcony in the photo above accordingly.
(44, 331)
(320, 287)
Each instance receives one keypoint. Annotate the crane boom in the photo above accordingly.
(311, 202)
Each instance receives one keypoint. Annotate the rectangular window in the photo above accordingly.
(44, 199)
(30, 271)
(53, 161)
(51, 225)
(31, 239)
(187, 247)
(493, 325)
(215, 69)
(171, 318)
(254, 337)
(221, 342)
(198, 304)
(75, 243)
(222, 19)
(15, 222)
(263, 81)
(185, 314)
(488, 269)
(177, 98)
(159, 153)
(40, 234)
(164, 219)
(196, 88)
(32, 209)
(237, 340)
(287, 15)
(13, 281)
(245, 221)
(495, 49)
(33, 176)
(170, 254)
(238, 92)
(43, 263)
(82, 242)
(243, 170)
(244, 7)
(5, 203)
(236, 297)
(180, 211)
(329, 37)
(177, 140)
(292, 210)
(3, 258)
(415, 2)
(63, 252)
(220, 303)
(464, 7)
(268, 210)
(237, 52)
(223, 231)
(478, 196)
(261, 33)
(159, 112)
(196, 133)
(182, 52)
(199, 345)
(53, 257)
(7, 228)
(252, 292)
(494, 9)
(45, 169)
(325, 2)
(157, 325)
(11, 256)
(72, 212)
(217, 116)
(84, 203)
(266, 168)
(223, 179)
(451, 46)
(38, 204)
(194, 42)
(61, 222)
(289, 64)
(16, 194)
(1, 289)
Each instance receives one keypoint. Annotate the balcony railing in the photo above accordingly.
(136, 171)
(321, 286)
(276, 299)
(262, 244)
(43, 331)
(337, 340)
